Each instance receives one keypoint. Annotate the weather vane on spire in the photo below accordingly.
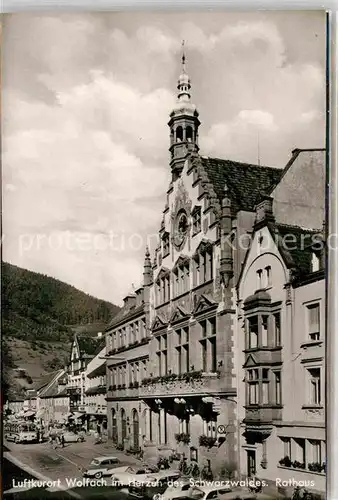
(183, 56)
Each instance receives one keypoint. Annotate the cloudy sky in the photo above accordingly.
(86, 100)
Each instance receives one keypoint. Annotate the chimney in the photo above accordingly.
(264, 211)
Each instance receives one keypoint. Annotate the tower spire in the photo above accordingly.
(183, 57)
(183, 122)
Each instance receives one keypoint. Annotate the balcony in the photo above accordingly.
(198, 383)
(313, 413)
(78, 408)
(123, 391)
(313, 349)
(261, 414)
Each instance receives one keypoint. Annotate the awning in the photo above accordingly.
(40, 413)
(29, 413)
(78, 415)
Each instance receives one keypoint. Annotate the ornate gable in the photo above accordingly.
(162, 272)
(159, 323)
(203, 246)
(204, 303)
(250, 361)
(182, 259)
(179, 314)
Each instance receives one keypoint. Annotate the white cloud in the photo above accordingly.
(85, 138)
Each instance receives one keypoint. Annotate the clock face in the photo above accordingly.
(181, 228)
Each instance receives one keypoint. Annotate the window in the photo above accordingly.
(259, 279)
(182, 278)
(196, 220)
(208, 345)
(313, 313)
(277, 330)
(315, 392)
(278, 388)
(179, 134)
(182, 350)
(203, 266)
(210, 427)
(265, 386)
(253, 386)
(166, 244)
(265, 320)
(316, 451)
(287, 447)
(163, 289)
(184, 426)
(315, 263)
(253, 332)
(162, 354)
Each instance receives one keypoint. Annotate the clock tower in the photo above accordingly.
(183, 125)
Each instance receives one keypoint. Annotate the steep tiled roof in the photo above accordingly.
(51, 389)
(297, 243)
(125, 313)
(44, 381)
(245, 182)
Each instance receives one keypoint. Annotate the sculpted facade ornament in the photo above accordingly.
(180, 217)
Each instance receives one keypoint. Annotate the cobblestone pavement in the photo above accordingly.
(64, 462)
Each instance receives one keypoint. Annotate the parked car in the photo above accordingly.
(71, 437)
(180, 489)
(239, 495)
(210, 493)
(101, 466)
(154, 484)
(132, 474)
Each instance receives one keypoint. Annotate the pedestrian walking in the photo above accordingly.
(62, 440)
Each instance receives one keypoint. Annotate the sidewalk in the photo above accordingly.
(89, 450)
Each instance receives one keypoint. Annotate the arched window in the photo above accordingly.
(123, 425)
(189, 134)
(179, 134)
(135, 429)
(114, 425)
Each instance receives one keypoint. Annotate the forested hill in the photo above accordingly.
(38, 307)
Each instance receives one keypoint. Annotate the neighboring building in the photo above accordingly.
(96, 392)
(53, 400)
(84, 349)
(127, 344)
(14, 405)
(280, 341)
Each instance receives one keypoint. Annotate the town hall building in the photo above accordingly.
(173, 368)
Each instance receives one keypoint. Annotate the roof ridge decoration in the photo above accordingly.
(203, 179)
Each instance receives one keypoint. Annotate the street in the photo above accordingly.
(48, 464)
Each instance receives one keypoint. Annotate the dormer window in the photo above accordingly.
(259, 279)
(315, 263)
(203, 265)
(196, 220)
